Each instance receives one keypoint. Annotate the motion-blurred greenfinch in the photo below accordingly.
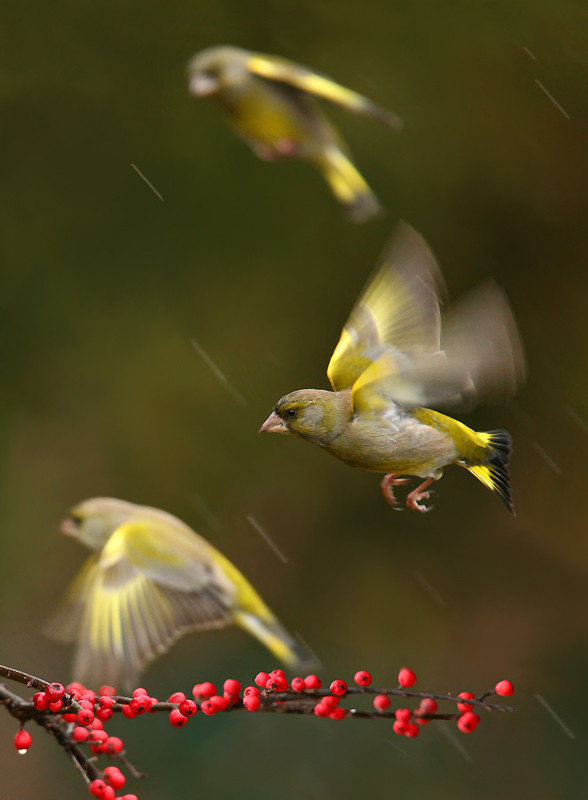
(271, 104)
(391, 361)
(152, 579)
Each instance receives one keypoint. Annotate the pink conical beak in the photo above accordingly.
(273, 424)
(68, 527)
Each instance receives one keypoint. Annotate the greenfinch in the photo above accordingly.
(150, 580)
(270, 102)
(391, 362)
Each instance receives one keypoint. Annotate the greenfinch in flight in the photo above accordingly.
(150, 580)
(270, 102)
(391, 362)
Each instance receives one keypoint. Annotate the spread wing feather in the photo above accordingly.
(130, 608)
(397, 315)
(278, 69)
(481, 358)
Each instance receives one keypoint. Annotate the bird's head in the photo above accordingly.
(94, 521)
(312, 414)
(215, 69)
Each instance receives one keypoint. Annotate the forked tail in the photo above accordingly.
(494, 473)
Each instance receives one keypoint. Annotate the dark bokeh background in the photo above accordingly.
(103, 286)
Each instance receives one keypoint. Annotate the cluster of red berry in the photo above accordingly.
(83, 712)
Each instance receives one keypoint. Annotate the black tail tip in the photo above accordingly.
(501, 444)
(363, 207)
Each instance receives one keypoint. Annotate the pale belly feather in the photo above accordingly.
(397, 443)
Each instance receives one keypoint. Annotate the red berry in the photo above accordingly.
(87, 704)
(75, 687)
(463, 707)
(41, 701)
(176, 718)
(399, 727)
(55, 691)
(504, 688)
(89, 697)
(330, 701)
(403, 714)
(338, 687)
(139, 691)
(176, 697)
(321, 709)
(412, 730)
(277, 673)
(104, 714)
(381, 702)
(105, 701)
(220, 703)
(261, 679)
(71, 717)
(55, 705)
(101, 789)
(97, 725)
(107, 690)
(113, 745)
(208, 708)
(188, 708)
(140, 704)
(362, 678)
(97, 736)
(114, 777)
(297, 684)
(312, 682)
(251, 690)
(85, 716)
(22, 741)
(128, 711)
(276, 683)
(80, 734)
(337, 713)
(427, 706)
(468, 722)
(232, 688)
(251, 702)
(203, 691)
(406, 678)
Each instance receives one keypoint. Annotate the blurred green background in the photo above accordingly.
(104, 285)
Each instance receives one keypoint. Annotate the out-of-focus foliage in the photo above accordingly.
(104, 285)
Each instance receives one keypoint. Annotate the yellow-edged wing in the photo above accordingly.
(279, 69)
(481, 357)
(397, 316)
(149, 586)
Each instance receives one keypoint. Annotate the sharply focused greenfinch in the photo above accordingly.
(271, 104)
(152, 579)
(391, 361)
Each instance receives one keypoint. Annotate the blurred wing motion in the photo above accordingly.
(480, 354)
(397, 316)
(149, 585)
(281, 70)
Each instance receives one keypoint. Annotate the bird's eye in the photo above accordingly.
(291, 412)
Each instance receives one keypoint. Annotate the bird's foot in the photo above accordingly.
(388, 481)
(418, 494)
(287, 148)
(265, 152)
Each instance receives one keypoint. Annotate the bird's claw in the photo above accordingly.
(388, 481)
(412, 501)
